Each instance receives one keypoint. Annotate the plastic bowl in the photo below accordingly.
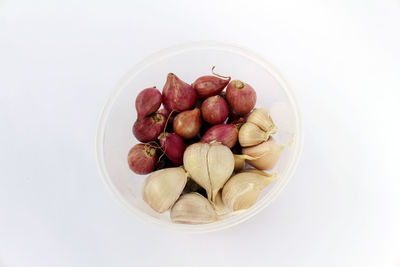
(114, 135)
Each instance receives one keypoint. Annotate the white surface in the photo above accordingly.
(59, 60)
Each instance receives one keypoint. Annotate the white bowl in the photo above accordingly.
(114, 135)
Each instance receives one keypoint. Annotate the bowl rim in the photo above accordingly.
(220, 225)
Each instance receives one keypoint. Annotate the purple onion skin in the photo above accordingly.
(149, 128)
(173, 146)
(142, 159)
(227, 134)
(208, 85)
(178, 95)
(215, 110)
(147, 102)
(241, 97)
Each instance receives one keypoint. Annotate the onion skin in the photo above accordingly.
(164, 112)
(178, 95)
(173, 146)
(227, 134)
(241, 97)
(142, 159)
(236, 119)
(149, 128)
(147, 102)
(168, 116)
(187, 124)
(215, 110)
(208, 85)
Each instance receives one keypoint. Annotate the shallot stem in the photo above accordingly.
(166, 124)
(153, 144)
(159, 158)
(218, 75)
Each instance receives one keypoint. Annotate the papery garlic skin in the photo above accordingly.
(163, 187)
(243, 189)
(209, 165)
(240, 161)
(220, 166)
(250, 135)
(193, 208)
(257, 129)
(196, 163)
(219, 206)
(266, 154)
(263, 120)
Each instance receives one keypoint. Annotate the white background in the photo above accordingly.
(60, 59)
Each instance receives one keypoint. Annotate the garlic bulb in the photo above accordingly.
(243, 189)
(209, 165)
(265, 155)
(163, 187)
(240, 161)
(262, 119)
(250, 135)
(193, 208)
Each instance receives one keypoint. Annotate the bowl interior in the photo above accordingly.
(114, 134)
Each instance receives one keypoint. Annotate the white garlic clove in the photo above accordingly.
(250, 135)
(220, 166)
(262, 119)
(163, 187)
(243, 189)
(196, 163)
(240, 161)
(193, 208)
(220, 208)
(266, 154)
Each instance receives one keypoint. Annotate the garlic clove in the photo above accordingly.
(266, 154)
(240, 161)
(262, 119)
(220, 167)
(163, 187)
(196, 163)
(193, 208)
(243, 189)
(250, 135)
(219, 206)
(259, 172)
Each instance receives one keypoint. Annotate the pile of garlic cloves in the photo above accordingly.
(226, 185)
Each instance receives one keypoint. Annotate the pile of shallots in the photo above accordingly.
(196, 147)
